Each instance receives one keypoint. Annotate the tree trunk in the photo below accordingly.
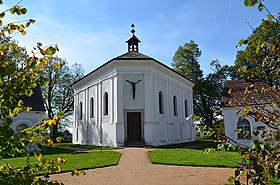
(54, 132)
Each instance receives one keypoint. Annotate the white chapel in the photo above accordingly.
(133, 99)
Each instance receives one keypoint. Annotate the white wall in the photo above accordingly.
(128, 101)
(28, 118)
(110, 129)
(166, 128)
(99, 130)
(230, 122)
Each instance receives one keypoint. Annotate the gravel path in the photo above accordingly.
(134, 168)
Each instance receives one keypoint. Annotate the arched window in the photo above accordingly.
(175, 106)
(81, 111)
(21, 126)
(105, 104)
(244, 128)
(91, 107)
(161, 102)
(186, 108)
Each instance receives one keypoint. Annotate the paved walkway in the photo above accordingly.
(135, 169)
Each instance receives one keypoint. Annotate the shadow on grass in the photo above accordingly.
(198, 144)
(90, 147)
(56, 150)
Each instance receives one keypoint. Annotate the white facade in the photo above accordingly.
(133, 99)
(29, 119)
(232, 108)
(112, 128)
(231, 119)
(26, 120)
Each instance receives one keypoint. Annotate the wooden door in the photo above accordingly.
(134, 127)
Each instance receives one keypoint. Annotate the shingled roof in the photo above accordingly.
(35, 101)
(133, 55)
(248, 92)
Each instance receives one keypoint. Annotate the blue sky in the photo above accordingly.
(91, 32)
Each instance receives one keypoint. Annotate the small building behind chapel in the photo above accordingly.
(28, 119)
(133, 99)
(237, 127)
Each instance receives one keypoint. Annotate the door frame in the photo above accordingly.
(125, 123)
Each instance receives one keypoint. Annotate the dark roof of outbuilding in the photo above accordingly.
(248, 92)
(35, 101)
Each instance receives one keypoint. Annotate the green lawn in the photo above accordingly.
(80, 160)
(92, 147)
(194, 157)
(198, 144)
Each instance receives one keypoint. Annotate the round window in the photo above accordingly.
(21, 126)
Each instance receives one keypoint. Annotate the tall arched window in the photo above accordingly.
(81, 111)
(186, 108)
(244, 128)
(175, 109)
(161, 102)
(105, 104)
(91, 107)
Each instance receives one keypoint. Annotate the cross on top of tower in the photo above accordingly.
(133, 41)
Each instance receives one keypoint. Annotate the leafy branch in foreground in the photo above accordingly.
(19, 75)
(259, 66)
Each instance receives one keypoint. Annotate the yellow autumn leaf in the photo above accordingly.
(50, 142)
(38, 155)
(56, 66)
(59, 160)
(37, 68)
(43, 62)
(20, 103)
(59, 139)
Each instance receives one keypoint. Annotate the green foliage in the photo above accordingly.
(261, 60)
(207, 90)
(19, 75)
(185, 61)
(250, 2)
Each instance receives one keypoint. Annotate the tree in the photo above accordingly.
(253, 55)
(185, 61)
(259, 61)
(57, 92)
(19, 74)
(207, 90)
(263, 62)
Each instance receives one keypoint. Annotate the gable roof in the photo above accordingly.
(35, 101)
(132, 55)
(248, 92)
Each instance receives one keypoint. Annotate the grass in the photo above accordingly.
(91, 147)
(79, 160)
(191, 154)
(274, 182)
(194, 157)
(198, 144)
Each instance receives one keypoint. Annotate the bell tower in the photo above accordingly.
(133, 41)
